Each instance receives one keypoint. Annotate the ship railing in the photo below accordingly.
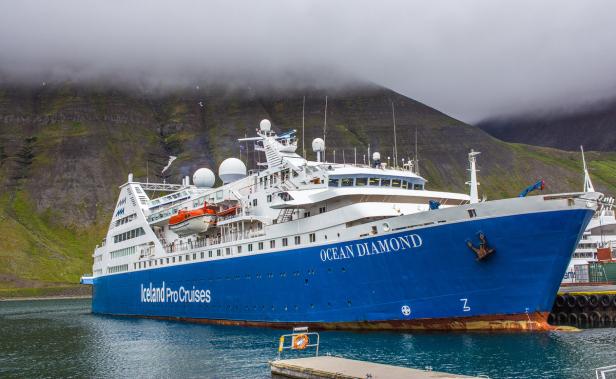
(601, 372)
(300, 339)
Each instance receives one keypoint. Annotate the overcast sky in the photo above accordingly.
(470, 59)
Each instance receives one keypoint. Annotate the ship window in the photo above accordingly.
(297, 240)
(269, 198)
(333, 182)
(228, 251)
(417, 186)
(254, 202)
(347, 182)
(239, 249)
(162, 261)
(194, 256)
(260, 245)
(472, 213)
(396, 183)
(374, 181)
(312, 237)
(167, 260)
(209, 253)
(306, 214)
(360, 182)
(285, 242)
(249, 247)
(134, 266)
(179, 258)
(187, 257)
(202, 255)
(405, 184)
(272, 244)
(322, 210)
(173, 259)
(150, 263)
(385, 182)
(218, 252)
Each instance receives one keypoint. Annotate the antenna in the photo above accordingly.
(416, 155)
(393, 115)
(303, 137)
(325, 122)
(588, 187)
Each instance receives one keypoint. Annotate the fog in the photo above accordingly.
(470, 59)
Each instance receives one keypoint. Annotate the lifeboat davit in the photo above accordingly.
(187, 222)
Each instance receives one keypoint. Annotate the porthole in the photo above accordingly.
(386, 227)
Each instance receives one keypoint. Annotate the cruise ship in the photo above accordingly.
(334, 246)
(599, 236)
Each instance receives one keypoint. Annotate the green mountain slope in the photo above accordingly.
(65, 148)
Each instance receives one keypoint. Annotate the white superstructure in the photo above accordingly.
(289, 201)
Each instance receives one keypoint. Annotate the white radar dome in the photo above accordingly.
(265, 125)
(376, 156)
(231, 169)
(318, 144)
(204, 178)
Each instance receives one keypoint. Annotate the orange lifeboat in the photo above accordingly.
(227, 212)
(187, 222)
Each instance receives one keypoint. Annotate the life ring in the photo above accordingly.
(300, 341)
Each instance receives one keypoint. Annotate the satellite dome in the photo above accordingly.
(265, 125)
(318, 144)
(376, 156)
(231, 169)
(204, 178)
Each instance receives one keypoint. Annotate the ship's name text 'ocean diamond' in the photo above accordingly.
(363, 249)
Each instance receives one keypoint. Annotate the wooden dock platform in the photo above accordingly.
(327, 367)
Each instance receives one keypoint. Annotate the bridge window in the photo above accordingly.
(385, 182)
(396, 183)
(334, 182)
(347, 182)
(260, 245)
(209, 254)
(374, 181)
(297, 240)
(313, 237)
(418, 186)
(360, 182)
(228, 251)
(272, 244)
(249, 247)
(285, 242)
(239, 249)
(218, 252)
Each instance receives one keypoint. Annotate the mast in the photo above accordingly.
(473, 182)
(325, 122)
(303, 128)
(393, 115)
(588, 187)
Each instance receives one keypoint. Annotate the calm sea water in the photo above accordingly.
(61, 338)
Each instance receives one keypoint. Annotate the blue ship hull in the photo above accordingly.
(420, 278)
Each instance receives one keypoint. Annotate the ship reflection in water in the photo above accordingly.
(61, 338)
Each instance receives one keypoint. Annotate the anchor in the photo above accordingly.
(483, 250)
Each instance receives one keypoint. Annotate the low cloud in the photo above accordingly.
(471, 59)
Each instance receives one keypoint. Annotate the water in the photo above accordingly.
(61, 338)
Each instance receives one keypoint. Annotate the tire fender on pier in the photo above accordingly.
(570, 301)
(581, 300)
(595, 319)
(583, 319)
(605, 301)
(573, 319)
(561, 301)
(562, 318)
(593, 301)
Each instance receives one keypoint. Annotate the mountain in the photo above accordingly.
(66, 147)
(593, 126)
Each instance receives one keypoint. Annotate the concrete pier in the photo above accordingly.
(327, 367)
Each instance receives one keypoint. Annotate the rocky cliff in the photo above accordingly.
(65, 148)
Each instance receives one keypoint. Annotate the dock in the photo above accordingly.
(328, 367)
